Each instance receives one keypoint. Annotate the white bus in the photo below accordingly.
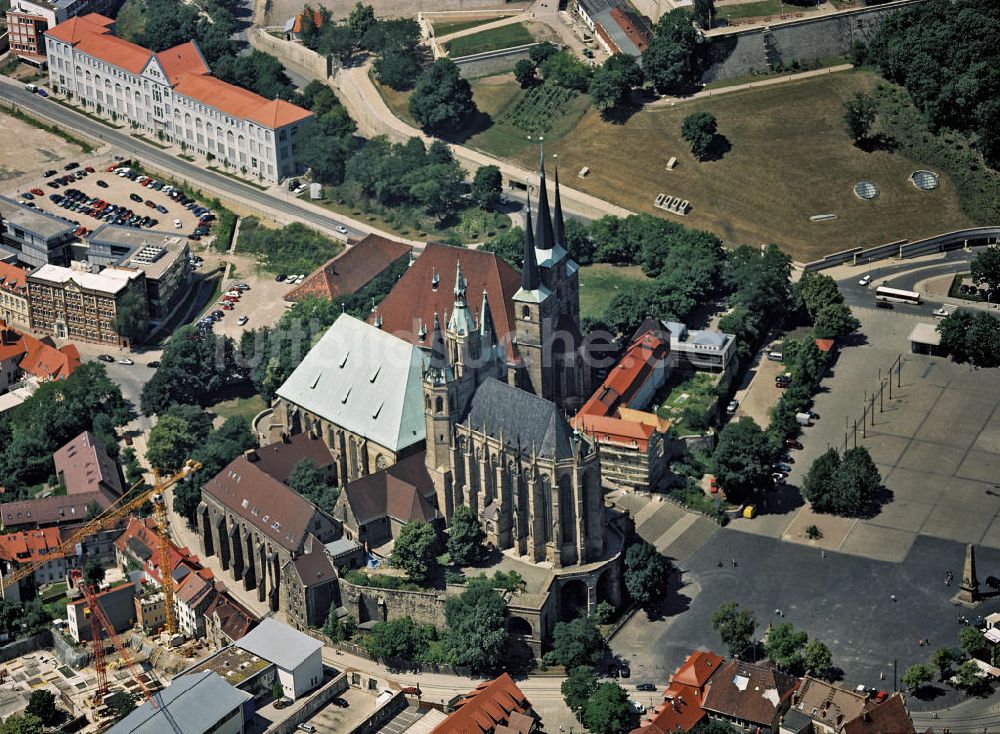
(894, 294)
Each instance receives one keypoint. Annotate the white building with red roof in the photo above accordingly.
(173, 95)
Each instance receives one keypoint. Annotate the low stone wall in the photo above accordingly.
(372, 604)
(296, 55)
(23, 645)
(492, 62)
(805, 40)
(314, 703)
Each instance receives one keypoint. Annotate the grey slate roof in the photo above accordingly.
(520, 416)
(279, 644)
(364, 380)
(189, 705)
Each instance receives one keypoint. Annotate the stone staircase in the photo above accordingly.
(691, 539)
(672, 530)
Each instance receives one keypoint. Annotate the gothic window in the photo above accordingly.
(525, 313)
(566, 510)
(381, 463)
(438, 405)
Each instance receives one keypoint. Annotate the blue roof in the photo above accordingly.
(190, 705)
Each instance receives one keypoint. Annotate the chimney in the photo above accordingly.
(250, 455)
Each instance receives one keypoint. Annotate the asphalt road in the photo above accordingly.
(73, 120)
(905, 276)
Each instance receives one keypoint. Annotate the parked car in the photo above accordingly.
(341, 228)
(135, 197)
(154, 364)
(782, 467)
(125, 360)
(71, 165)
(625, 670)
(280, 278)
(341, 702)
(102, 184)
(106, 358)
(242, 320)
(792, 443)
(28, 195)
(645, 687)
(42, 93)
(89, 169)
(161, 209)
(732, 407)
(49, 173)
(37, 192)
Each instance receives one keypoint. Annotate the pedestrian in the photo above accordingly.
(734, 563)
(893, 598)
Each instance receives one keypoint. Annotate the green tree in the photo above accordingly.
(524, 73)
(541, 51)
(93, 572)
(859, 116)
(10, 617)
(25, 723)
(944, 658)
(223, 445)
(671, 60)
(360, 19)
(983, 340)
(954, 329)
(704, 12)
(917, 676)
(607, 710)
(612, 83)
(400, 638)
(132, 317)
(646, 573)
(121, 704)
(969, 676)
(441, 100)
(339, 628)
(785, 646)
(477, 627)
(508, 246)
(577, 642)
(173, 440)
(327, 144)
(415, 550)
(133, 469)
(986, 268)
(859, 480)
(309, 481)
(714, 726)
(465, 538)
(487, 185)
(817, 659)
(735, 627)
(579, 686)
(835, 320)
(566, 70)
(742, 460)
(193, 368)
(42, 704)
(971, 640)
(699, 129)
(816, 291)
(397, 67)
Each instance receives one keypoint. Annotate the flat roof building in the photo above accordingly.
(39, 238)
(195, 703)
(27, 21)
(295, 654)
(925, 339)
(161, 256)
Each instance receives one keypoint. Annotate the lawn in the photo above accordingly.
(697, 392)
(446, 29)
(790, 158)
(244, 407)
(753, 10)
(599, 283)
(516, 34)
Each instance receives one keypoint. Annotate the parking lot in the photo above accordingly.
(360, 705)
(117, 191)
(936, 444)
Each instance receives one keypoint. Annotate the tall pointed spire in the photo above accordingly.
(460, 282)
(439, 364)
(487, 331)
(529, 270)
(543, 234)
(558, 226)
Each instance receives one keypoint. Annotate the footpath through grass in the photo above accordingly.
(789, 157)
(446, 29)
(515, 34)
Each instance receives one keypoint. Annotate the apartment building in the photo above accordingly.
(27, 21)
(34, 237)
(80, 305)
(14, 296)
(173, 96)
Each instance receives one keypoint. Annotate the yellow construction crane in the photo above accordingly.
(128, 503)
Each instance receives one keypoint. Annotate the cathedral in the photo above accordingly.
(501, 446)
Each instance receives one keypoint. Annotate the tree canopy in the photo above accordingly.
(785, 646)
(308, 480)
(607, 710)
(612, 83)
(442, 100)
(579, 686)
(222, 445)
(487, 185)
(577, 642)
(400, 638)
(466, 538)
(646, 573)
(42, 703)
(174, 438)
(699, 129)
(859, 116)
(742, 460)
(735, 627)
(193, 368)
(845, 486)
(671, 61)
(477, 627)
(971, 337)
(986, 268)
(415, 550)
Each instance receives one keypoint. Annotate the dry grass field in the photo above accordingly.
(789, 158)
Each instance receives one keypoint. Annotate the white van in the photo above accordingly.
(31, 88)
(177, 224)
(776, 356)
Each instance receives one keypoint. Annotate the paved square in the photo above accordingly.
(936, 443)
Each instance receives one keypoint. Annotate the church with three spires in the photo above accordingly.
(478, 365)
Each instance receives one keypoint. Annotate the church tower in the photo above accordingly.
(441, 409)
(462, 337)
(534, 307)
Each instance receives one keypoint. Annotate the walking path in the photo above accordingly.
(499, 23)
(764, 82)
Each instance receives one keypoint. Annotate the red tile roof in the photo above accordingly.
(753, 692)
(185, 68)
(28, 546)
(141, 540)
(185, 58)
(888, 717)
(632, 29)
(239, 102)
(600, 417)
(414, 299)
(13, 279)
(84, 465)
(352, 269)
(278, 459)
(682, 709)
(234, 619)
(699, 667)
(317, 21)
(491, 704)
(55, 510)
(37, 357)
